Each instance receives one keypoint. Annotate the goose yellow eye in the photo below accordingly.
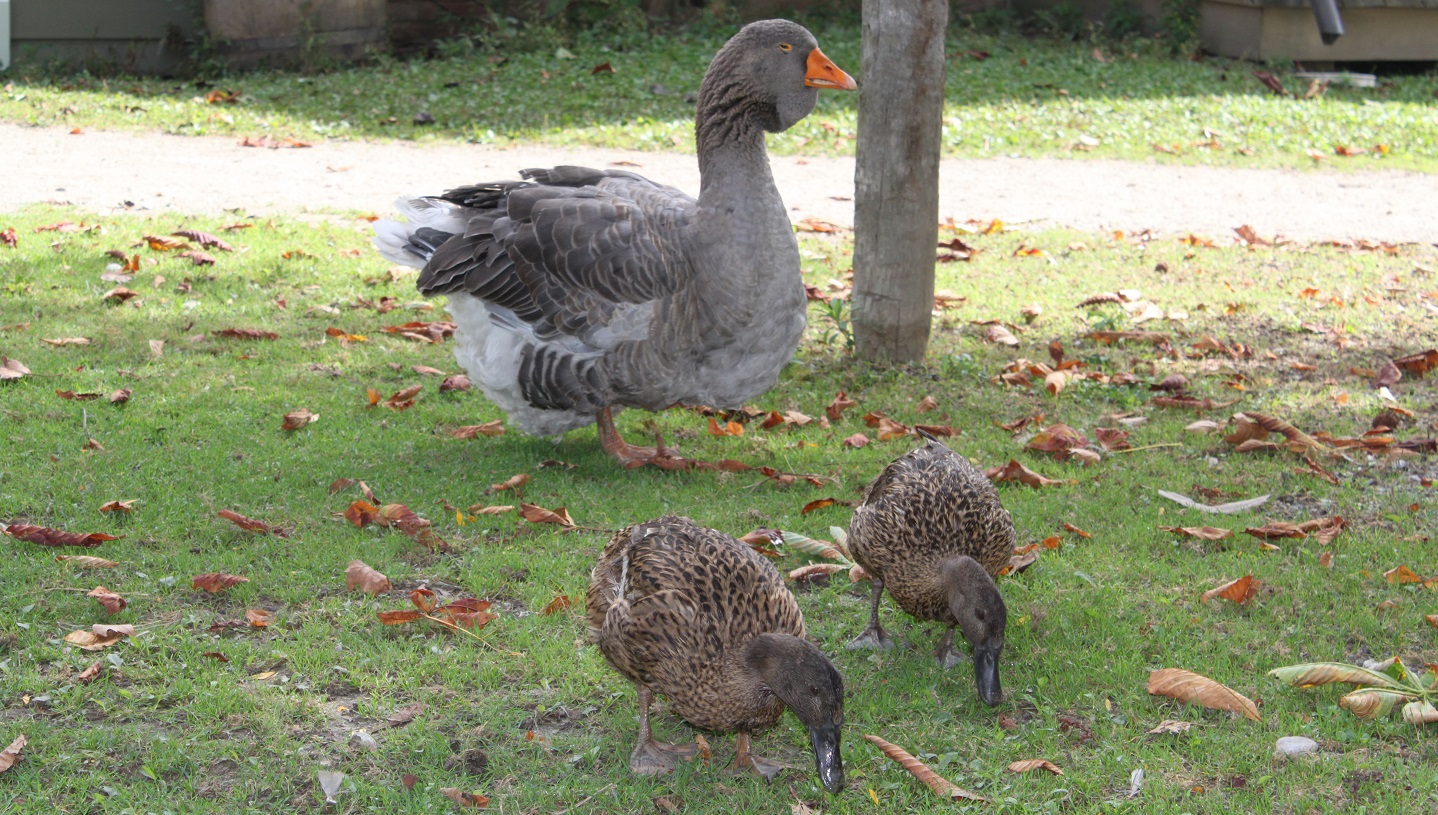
(785, 47)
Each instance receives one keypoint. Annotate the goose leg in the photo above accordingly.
(622, 451)
(746, 762)
(651, 757)
(873, 636)
(945, 653)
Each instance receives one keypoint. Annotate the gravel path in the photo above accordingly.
(100, 171)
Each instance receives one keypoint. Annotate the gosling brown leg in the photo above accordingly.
(945, 653)
(746, 762)
(621, 451)
(873, 636)
(652, 757)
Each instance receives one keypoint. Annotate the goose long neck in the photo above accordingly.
(729, 135)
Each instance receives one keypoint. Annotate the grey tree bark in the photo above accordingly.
(896, 179)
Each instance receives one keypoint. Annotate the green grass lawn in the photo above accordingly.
(1028, 97)
(183, 717)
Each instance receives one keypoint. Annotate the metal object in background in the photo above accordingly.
(1330, 22)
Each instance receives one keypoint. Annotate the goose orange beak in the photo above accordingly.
(821, 72)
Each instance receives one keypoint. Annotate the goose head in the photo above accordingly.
(808, 684)
(778, 67)
(979, 610)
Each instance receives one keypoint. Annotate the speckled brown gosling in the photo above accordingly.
(705, 620)
(932, 531)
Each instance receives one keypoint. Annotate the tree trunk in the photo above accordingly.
(896, 203)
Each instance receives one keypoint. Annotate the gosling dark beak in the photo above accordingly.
(821, 72)
(826, 756)
(986, 673)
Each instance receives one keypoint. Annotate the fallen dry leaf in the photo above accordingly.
(1014, 471)
(1170, 726)
(118, 506)
(1239, 591)
(454, 382)
(835, 409)
(87, 562)
(90, 674)
(1401, 574)
(296, 419)
(99, 636)
(559, 603)
(403, 399)
(113, 603)
(361, 576)
(215, 582)
(250, 524)
(490, 428)
(11, 369)
(514, 482)
(941, 786)
(856, 441)
(246, 334)
(1186, 686)
(540, 515)
(54, 537)
(1034, 764)
(465, 799)
(257, 617)
(1208, 533)
(11, 753)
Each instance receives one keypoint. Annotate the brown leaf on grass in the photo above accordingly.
(89, 675)
(216, 582)
(1019, 424)
(112, 602)
(1239, 591)
(1431, 619)
(1186, 402)
(941, 786)
(479, 509)
(1388, 374)
(117, 506)
(9, 238)
(60, 342)
(54, 537)
(360, 576)
(856, 441)
(99, 636)
(1276, 530)
(426, 370)
(835, 409)
(398, 617)
(257, 617)
(558, 604)
(1156, 338)
(1298, 441)
(997, 333)
(342, 483)
(1112, 438)
(820, 503)
(540, 515)
(11, 369)
(1034, 764)
(454, 382)
(198, 258)
(1059, 440)
(160, 243)
(1401, 574)
(816, 572)
(1018, 562)
(1418, 364)
(514, 482)
(1312, 467)
(246, 334)
(763, 541)
(494, 427)
(404, 399)
(78, 397)
(360, 513)
(728, 429)
(464, 799)
(87, 562)
(94, 445)
(1186, 686)
(204, 239)
(11, 753)
(250, 524)
(887, 428)
(120, 396)
(927, 404)
(1208, 533)
(1170, 727)
(1071, 528)
(296, 419)
(404, 715)
(119, 294)
(1014, 471)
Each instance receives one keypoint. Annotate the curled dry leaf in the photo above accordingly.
(361, 576)
(1034, 764)
(216, 582)
(997, 333)
(204, 239)
(490, 428)
(1014, 471)
(454, 382)
(11, 369)
(250, 524)
(941, 786)
(727, 429)
(814, 546)
(88, 562)
(1068, 527)
(465, 799)
(814, 571)
(398, 617)
(118, 506)
(1401, 574)
(927, 404)
(856, 441)
(257, 617)
(1298, 441)
(559, 603)
(113, 603)
(246, 334)
(296, 419)
(54, 537)
(1186, 686)
(1313, 674)
(99, 636)
(11, 753)
(1208, 533)
(120, 396)
(540, 515)
(1239, 591)
(836, 408)
(514, 482)
(1170, 726)
(1276, 530)
(90, 674)
(119, 294)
